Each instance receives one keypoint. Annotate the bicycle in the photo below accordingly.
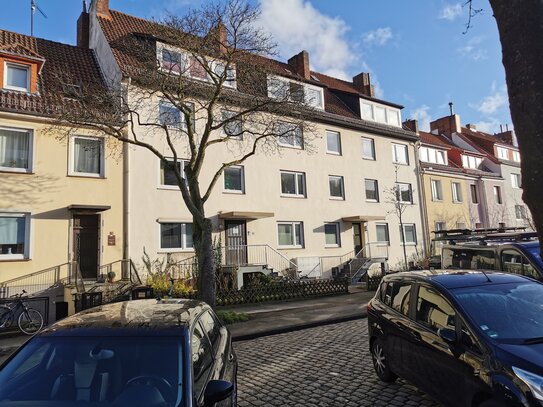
(29, 321)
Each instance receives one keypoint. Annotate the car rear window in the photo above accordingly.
(468, 259)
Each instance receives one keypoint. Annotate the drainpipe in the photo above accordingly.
(484, 203)
(126, 193)
(423, 210)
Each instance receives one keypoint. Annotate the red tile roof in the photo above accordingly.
(62, 62)
(435, 140)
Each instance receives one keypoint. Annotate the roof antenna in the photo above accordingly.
(33, 8)
(487, 278)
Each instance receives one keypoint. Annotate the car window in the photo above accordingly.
(34, 360)
(383, 291)
(202, 359)
(468, 258)
(514, 262)
(212, 328)
(433, 310)
(400, 294)
(468, 339)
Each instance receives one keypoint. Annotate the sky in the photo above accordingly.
(417, 51)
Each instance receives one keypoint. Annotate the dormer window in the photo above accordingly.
(379, 113)
(17, 77)
(503, 153)
(469, 161)
(432, 155)
(172, 61)
(294, 91)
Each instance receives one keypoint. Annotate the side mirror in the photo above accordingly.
(448, 335)
(217, 390)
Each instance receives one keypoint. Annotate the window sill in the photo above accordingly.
(337, 198)
(332, 246)
(16, 89)
(372, 200)
(437, 200)
(165, 251)
(5, 170)
(384, 244)
(233, 192)
(293, 196)
(13, 259)
(168, 187)
(290, 247)
(458, 202)
(407, 244)
(368, 158)
(291, 147)
(87, 176)
(399, 163)
(333, 153)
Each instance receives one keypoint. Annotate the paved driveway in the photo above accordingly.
(323, 366)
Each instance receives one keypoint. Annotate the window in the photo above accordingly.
(503, 153)
(520, 212)
(372, 190)
(404, 193)
(290, 234)
(381, 231)
(17, 77)
(233, 128)
(376, 112)
(173, 61)
(313, 96)
(202, 359)
(460, 225)
(167, 173)
(234, 179)
(228, 75)
(368, 148)
(399, 297)
(289, 135)
(333, 142)
(498, 195)
(15, 150)
(431, 155)
(516, 156)
(457, 192)
(408, 235)
(469, 161)
(437, 192)
(14, 236)
(293, 183)
(285, 89)
(440, 225)
(474, 196)
(336, 187)
(399, 154)
(331, 233)
(87, 156)
(514, 262)
(176, 236)
(171, 116)
(433, 311)
(515, 181)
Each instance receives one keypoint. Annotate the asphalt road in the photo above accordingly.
(324, 366)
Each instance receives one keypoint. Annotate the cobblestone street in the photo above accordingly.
(323, 366)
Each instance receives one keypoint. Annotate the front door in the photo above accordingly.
(87, 244)
(236, 242)
(357, 237)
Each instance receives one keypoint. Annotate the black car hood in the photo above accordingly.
(526, 357)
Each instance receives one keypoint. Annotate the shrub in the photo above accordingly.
(161, 283)
(231, 317)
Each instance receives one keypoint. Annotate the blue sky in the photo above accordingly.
(415, 50)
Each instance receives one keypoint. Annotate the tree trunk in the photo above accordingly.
(203, 245)
(520, 24)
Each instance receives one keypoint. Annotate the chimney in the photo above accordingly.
(412, 125)
(83, 28)
(221, 34)
(300, 64)
(471, 127)
(508, 137)
(447, 125)
(102, 8)
(363, 84)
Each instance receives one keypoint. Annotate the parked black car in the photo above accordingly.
(467, 338)
(134, 353)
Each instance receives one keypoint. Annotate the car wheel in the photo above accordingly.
(492, 403)
(380, 362)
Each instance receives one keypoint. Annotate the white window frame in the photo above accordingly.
(294, 245)
(469, 161)
(522, 210)
(437, 190)
(516, 156)
(382, 242)
(498, 198)
(433, 156)
(242, 180)
(457, 192)
(503, 153)
(296, 174)
(342, 183)
(439, 225)
(376, 184)
(275, 83)
(472, 188)
(183, 247)
(395, 157)
(28, 69)
(399, 190)
(26, 254)
(402, 231)
(182, 161)
(337, 234)
(292, 136)
(228, 114)
(392, 115)
(30, 168)
(338, 137)
(516, 181)
(372, 143)
(71, 164)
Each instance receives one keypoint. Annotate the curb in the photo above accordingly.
(292, 328)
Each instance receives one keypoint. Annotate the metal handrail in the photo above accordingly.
(263, 254)
(33, 274)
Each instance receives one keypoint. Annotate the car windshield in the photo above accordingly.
(510, 312)
(536, 254)
(89, 371)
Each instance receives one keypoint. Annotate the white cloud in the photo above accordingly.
(378, 37)
(296, 25)
(473, 50)
(491, 103)
(421, 114)
(450, 12)
(491, 125)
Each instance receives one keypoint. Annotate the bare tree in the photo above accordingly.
(199, 83)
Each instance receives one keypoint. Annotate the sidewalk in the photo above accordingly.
(269, 318)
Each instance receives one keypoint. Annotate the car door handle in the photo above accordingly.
(231, 357)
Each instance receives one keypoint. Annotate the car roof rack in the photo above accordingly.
(481, 235)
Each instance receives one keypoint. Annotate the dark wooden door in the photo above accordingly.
(87, 244)
(357, 237)
(236, 241)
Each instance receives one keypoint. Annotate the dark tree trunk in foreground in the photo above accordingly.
(520, 24)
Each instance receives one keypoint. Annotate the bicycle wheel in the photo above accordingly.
(6, 317)
(30, 321)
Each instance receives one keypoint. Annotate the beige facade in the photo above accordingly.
(57, 205)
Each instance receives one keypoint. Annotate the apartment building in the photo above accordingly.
(304, 206)
(60, 188)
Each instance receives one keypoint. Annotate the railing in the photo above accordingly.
(258, 255)
(125, 269)
(326, 263)
(37, 281)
